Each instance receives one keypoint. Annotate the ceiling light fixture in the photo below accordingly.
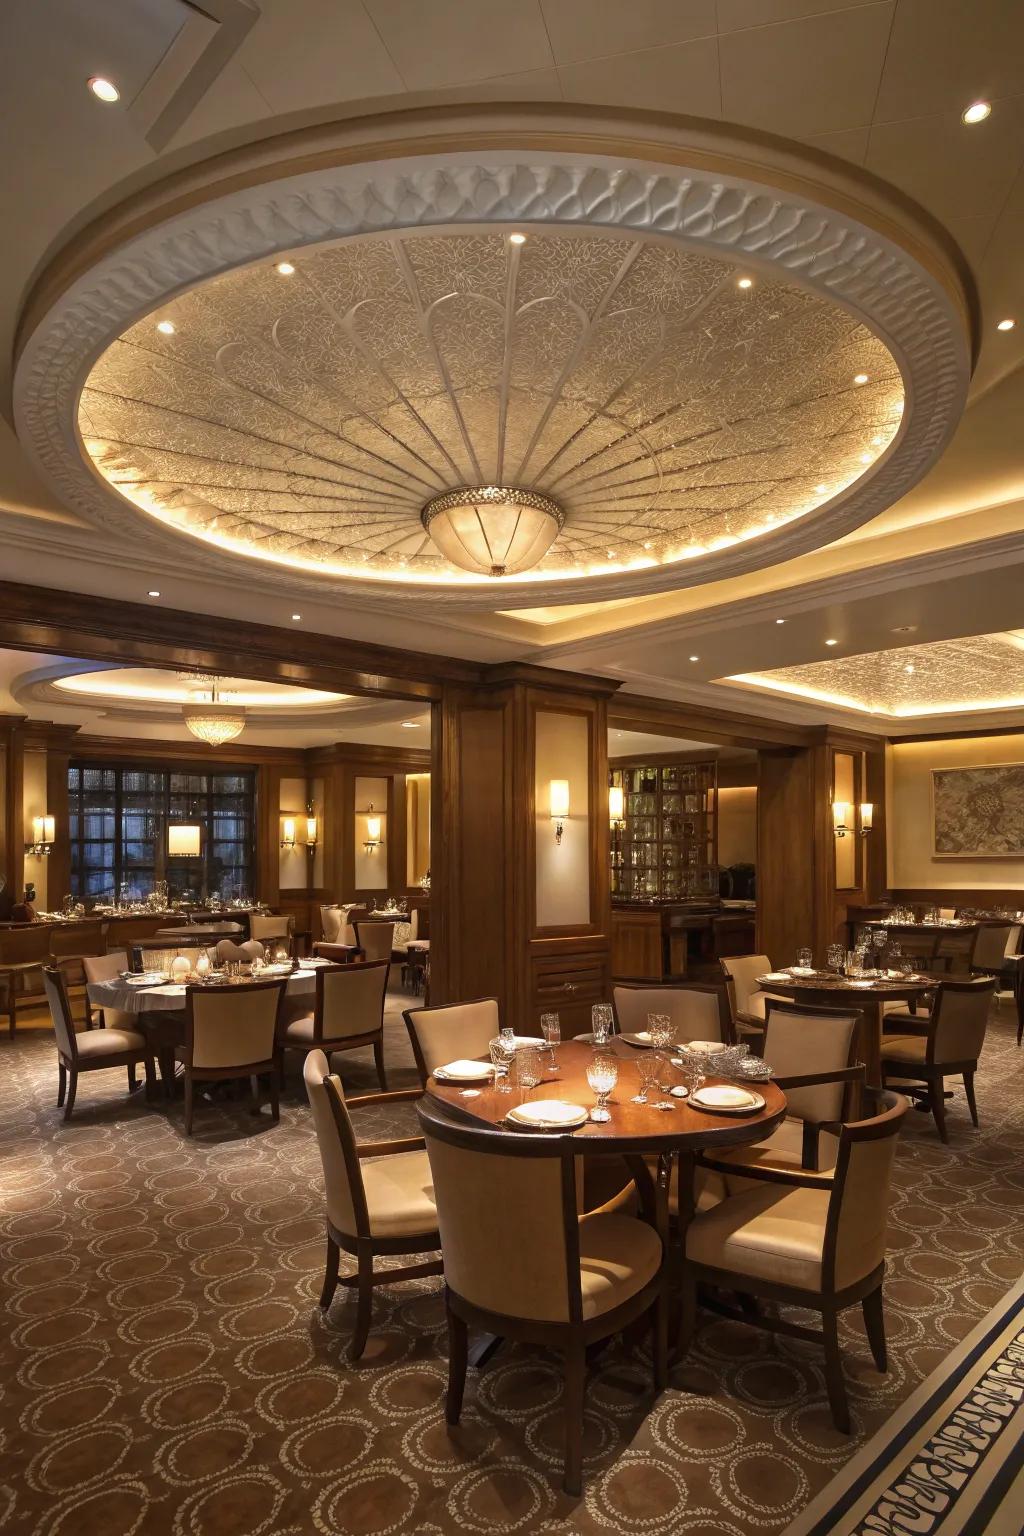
(865, 458)
(695, 658)
(296, 617)
(819, 490)
(908, 669)
(780, 621)
(214, 722)
(1006, 325)
(831, 642)
(745, 282)
(517, 239)
(976, 112)
(285, 268)
(165, 327)
(410, 725)
(104, 90)
(493, 530)
(152, 592)
(860, 378)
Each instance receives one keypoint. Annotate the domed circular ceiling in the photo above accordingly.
(470, 377)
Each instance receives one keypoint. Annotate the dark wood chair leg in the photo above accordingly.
(972, 1103)
(132, 1080)
(330, 1284)
(188, 1102)
(364, 1305)
(458, 1359)
(150, 1069)
(378, 1056)
(834, 1383)
(575, 1384)
(62, 1083)
(874, 1322)
(937, 1107)
(72, 1090)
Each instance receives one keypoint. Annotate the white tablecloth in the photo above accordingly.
(128, 998)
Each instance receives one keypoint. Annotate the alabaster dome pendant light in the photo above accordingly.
(493, 529)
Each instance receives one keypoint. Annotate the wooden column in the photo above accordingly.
(12, 840)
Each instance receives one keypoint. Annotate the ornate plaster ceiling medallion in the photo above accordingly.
(941, 677)
(607, 362)
(493, 529)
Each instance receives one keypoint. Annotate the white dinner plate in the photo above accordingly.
(776, 976)
(548, 1115)
(641, 1037)
(534, 1040)
(705, 1047)
(464, 1071)
(727, 1099)
(148, 979)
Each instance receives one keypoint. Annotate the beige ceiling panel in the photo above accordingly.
(806, 77)
(847, 144)
(955, 172)
(683, 78)
(592, 29)
(232, 100)
(734, 15)
(348, 59)
(972, 233)
(531, 85)
(450, 42)
(944, 54)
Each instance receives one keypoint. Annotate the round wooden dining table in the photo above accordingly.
(866, 996)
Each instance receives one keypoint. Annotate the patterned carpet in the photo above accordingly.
(166, 1368)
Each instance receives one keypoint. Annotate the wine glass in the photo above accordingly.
(647, 1070)
(601, 1023)
(602, 1075)
(528, 1068)
(660, 1029)
(551, 1029)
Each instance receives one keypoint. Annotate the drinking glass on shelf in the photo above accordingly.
(528, 1068)
(601, 1023)
(502, 1057)
(647, 1068)
(551, 1029)
(836, 957)
(602, 1075)
(805, 958)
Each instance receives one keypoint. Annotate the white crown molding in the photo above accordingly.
(845, 242)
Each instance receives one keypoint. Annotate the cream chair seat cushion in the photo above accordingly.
(782, 1149)
(757, 1004)
(905, 1048)
(399, 1195)
(300, 1030)
(619, 1255)
(767, 1233)
(108, 1042)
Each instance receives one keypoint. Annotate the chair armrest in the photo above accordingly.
(396, 1096)
(386, 1148)
(802, 1178)
(855, 1074)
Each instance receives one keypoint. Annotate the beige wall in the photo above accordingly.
(371, 869)
(737, 826)
(35, 805)
(417, 832)
(909, 813)
(563, 869)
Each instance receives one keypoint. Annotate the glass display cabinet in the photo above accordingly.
(666, 845)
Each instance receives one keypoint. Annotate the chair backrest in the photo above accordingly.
(742, 972)
(251, 950)
(232, 1026)
(448, 1033)
(990, 943)
(270, 926)
(341, 953)
(508, 1219)
(60, 1011)
(858, 1210)
(959, 1019)
(332, 924)
(349, 1000)
(375, 939)
(343, 1181)
(105, 967)
(800, 1042)
(1014, 941)
(697, 1013)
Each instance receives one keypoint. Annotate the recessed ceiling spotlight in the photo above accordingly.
(410, 725)
(647, 544)
(517, 239)
(153, 593)
(695, 658)
(745, 282)
(860, 378)
(165, 327)
(1006, 325)
(296, 617)
(976, 112)
(908, 669)
(780, 621)
(104, 90)
(285, 268)
(865, 458)
(831, 642)
(904, 629)
(819, 490)
(876, 442)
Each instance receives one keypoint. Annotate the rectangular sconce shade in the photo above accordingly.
(43, 829)
(615, 802)
(867, 815)
(840, 813)
(185, 841)
(311, 832)
(373, 829)
(288, 832)
(558, 793)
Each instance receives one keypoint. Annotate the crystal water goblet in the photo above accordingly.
(602, 1075)
(601, 1023)
(647, 1070)
(551, 1029)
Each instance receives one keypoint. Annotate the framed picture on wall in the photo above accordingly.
(978, 813)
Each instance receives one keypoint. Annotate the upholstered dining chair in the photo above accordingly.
(230, 1032)
(335, 923)
(375, 939)
(228, 949)
(747, 1002)
(989, 950)
(270, 926)
(451, 1031)
(347, 1012)
(521, 1262)
(23, 950)
(945, 1043)
(106, 968)
(805, 1239)
(380, 1198)
(92, 1050)
(697, 1011)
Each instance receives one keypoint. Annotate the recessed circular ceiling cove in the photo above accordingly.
(687, 428)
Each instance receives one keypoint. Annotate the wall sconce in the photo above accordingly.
(373, 837)
(867, 817)
(616, 807)
(840, 812)
(558, 801)
(184, 840)
(288, 832)
(312, 831)
(43, 837)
